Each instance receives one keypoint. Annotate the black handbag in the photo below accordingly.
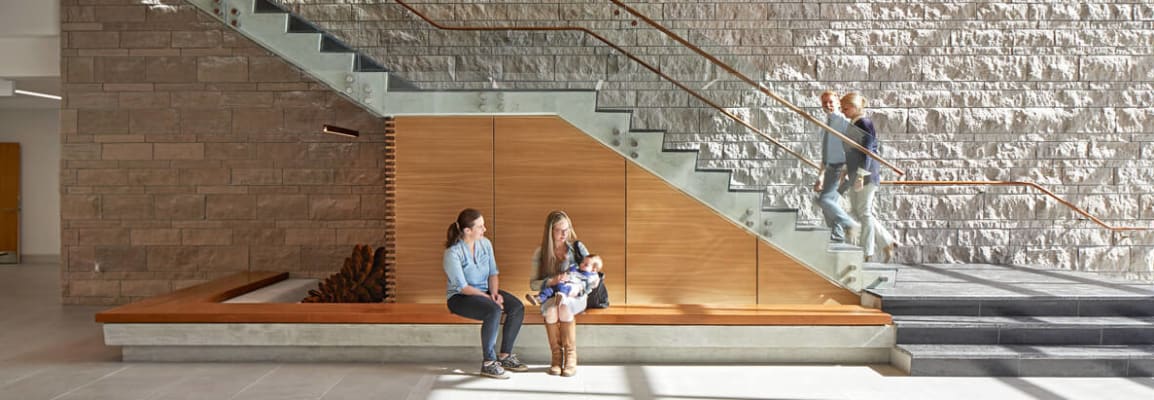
(599, 297)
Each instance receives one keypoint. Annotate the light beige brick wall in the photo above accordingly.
(189, 153)
(1056, 92)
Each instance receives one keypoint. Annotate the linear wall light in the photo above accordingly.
(336, 130)
(37, 94)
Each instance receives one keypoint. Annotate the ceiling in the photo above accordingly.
(30, 51)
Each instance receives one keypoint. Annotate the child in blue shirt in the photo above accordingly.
(578, 281)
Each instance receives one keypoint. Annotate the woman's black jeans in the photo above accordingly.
(488, 312)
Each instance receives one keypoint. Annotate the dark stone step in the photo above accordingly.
(1135, 306)
(1024, 330)
(1060, 361)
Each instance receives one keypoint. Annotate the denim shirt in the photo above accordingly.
(832, 152)
(462, 269)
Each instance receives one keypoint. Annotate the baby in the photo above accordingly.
(574, 282)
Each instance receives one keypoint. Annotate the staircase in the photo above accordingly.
(367, 83)
(986, 320)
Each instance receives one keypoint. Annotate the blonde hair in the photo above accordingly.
(857, 100)
(547, 263)
(829, 93)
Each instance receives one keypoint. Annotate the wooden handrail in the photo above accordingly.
(626, 54)
(760, 87)
(772, 95)
(845, 139)
(1033, 185)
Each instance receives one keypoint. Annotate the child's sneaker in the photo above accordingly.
(511, 363)
(493, 370)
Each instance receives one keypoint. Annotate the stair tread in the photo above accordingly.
(978, 351)
(888, 295)
(880, 267)
(1057, 322)
(842, 248)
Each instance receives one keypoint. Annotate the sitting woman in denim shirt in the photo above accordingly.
(473, 292)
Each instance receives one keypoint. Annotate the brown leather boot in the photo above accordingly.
(569, 344)
(554, 334)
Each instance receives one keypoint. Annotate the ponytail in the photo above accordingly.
(465, 219)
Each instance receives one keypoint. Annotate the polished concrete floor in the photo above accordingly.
(49, 351)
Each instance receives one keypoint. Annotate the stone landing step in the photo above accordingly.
(1058, 361)
(1088, 306)
(1036, 330)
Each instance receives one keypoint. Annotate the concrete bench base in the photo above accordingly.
(460, 343)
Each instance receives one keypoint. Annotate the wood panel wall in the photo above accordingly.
(545, 164)
(444, 165)
(660, 245)
(780, 280)
(681, 252)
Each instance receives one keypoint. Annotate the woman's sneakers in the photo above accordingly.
(498, 369)
(511, 363)
(493, 370)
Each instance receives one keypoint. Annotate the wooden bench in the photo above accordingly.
(193, 324)
(202, 304)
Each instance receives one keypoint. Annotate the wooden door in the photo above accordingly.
(9, 202)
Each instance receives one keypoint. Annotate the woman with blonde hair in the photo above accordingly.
(558, 251)
(864, 176)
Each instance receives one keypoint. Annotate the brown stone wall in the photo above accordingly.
(190, 153)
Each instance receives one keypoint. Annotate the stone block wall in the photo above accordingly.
(1057, 93)
(190, 153)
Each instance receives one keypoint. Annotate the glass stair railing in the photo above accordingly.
(366, 82)
(361, 79)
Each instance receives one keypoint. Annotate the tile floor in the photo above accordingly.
(49, 351)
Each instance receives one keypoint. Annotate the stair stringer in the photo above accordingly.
(336, 70)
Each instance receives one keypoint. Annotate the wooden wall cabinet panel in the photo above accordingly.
(443, 166)
(660, 246)
(781, 280)
(545, 164)
(680, 252)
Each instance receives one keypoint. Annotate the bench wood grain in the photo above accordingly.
(202, 304)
